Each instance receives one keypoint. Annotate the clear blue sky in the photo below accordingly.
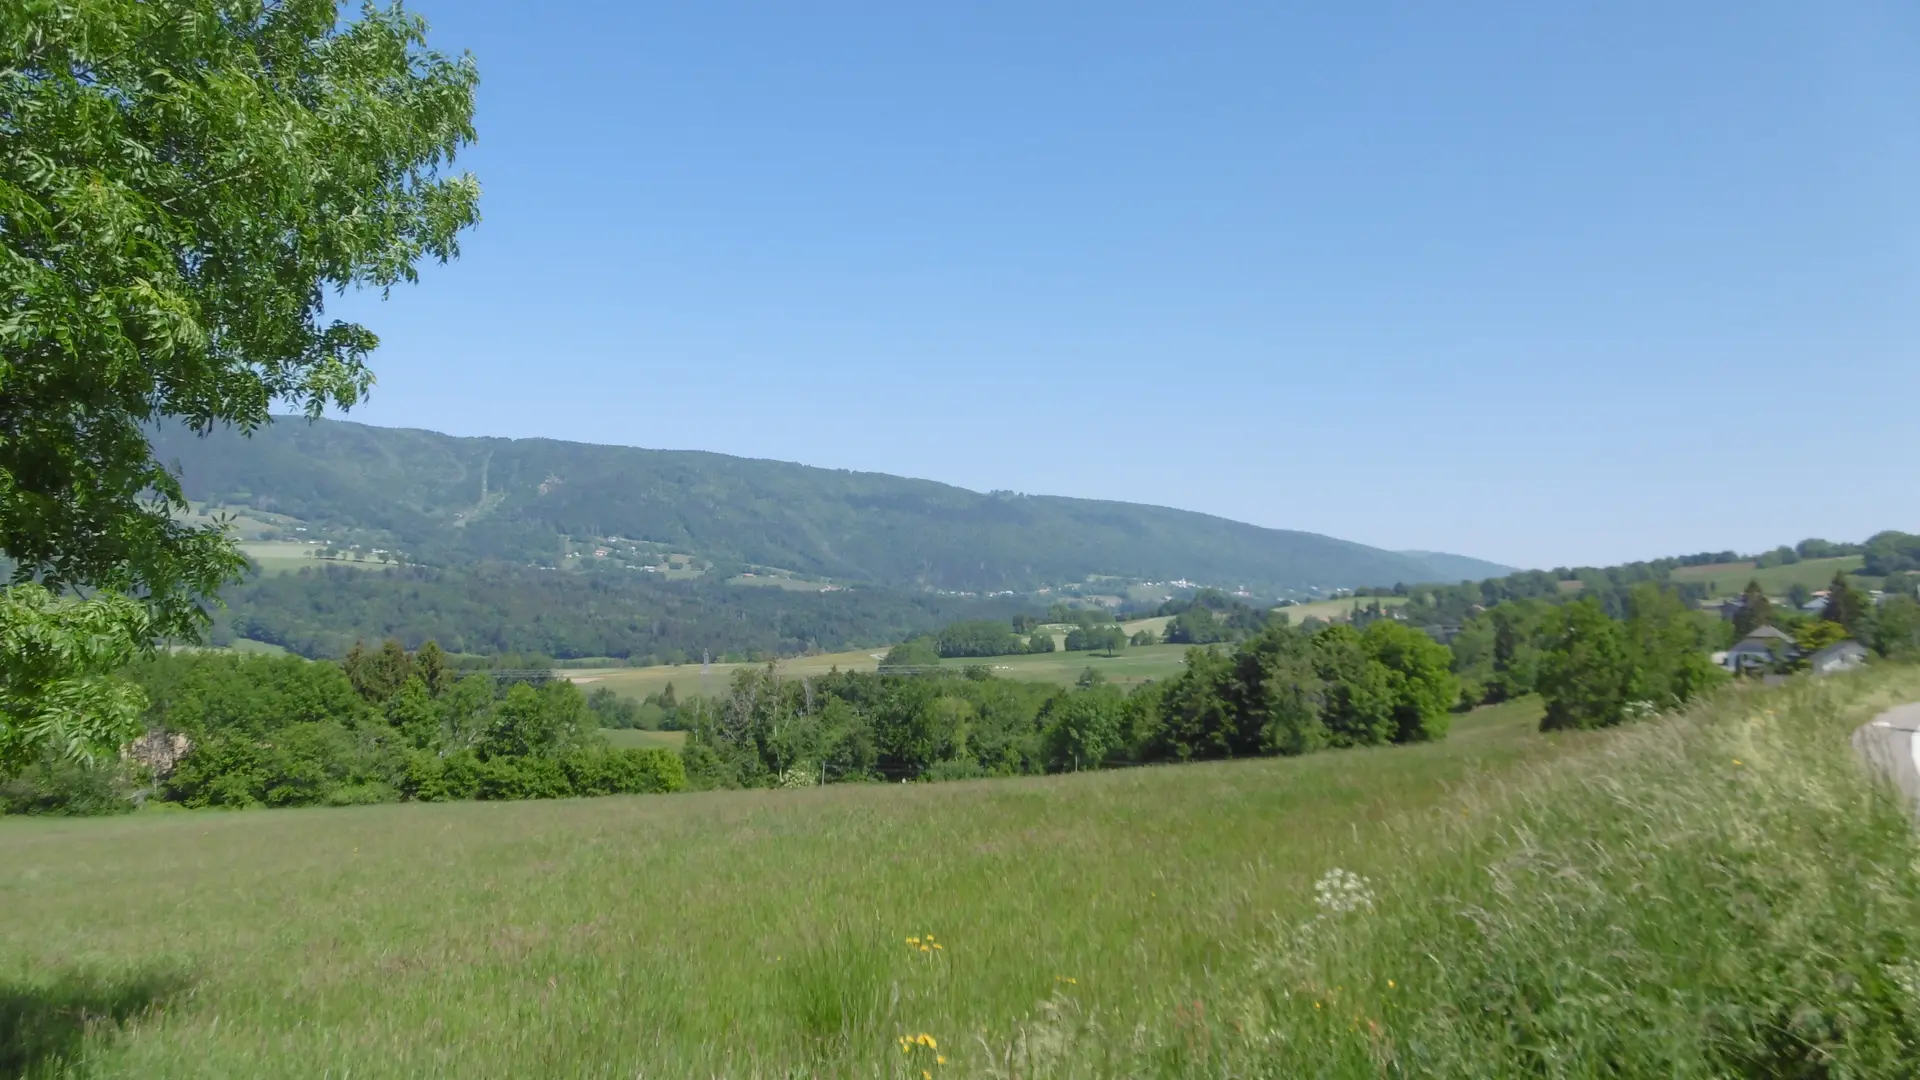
(1542, 283)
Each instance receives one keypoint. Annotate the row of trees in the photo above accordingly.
(1595, 670)
(1284, 691)
(236, 731)
(1592, 668)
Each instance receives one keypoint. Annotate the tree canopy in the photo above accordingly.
(181, 182)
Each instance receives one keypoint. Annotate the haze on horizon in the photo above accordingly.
(1545, 287)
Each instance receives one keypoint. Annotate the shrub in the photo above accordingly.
(55, 785)
(602, 771)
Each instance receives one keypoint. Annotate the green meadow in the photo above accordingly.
(1336, 610)
(281, 556)
(1727, 579)
(727, 933)
(690, 679)
(1130, 667)
(1515, 898)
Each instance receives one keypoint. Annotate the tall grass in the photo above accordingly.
(719, 934)
(1718, 894)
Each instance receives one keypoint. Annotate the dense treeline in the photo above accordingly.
(1283, 691)
(1884, 554)
(495, 609)
(236, 731)
(1210, 616)
(1595, 670)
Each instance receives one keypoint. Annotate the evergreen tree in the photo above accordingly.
(430, 664)
(1847, 605)
(411, 712)
(1755, 611)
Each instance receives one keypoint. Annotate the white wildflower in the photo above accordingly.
(802, 775)
(1341, 891)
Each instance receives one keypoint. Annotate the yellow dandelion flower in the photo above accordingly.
(1390, 984)
(925, 1075)
(937, 945)
(939, 1059)
(1316, 1004)
(1736, 761)
(931, 1045)
(913, 941)
(924, 948)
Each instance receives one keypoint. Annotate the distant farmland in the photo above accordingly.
(1728, 579)
(1336, 610)
(280, 556)
(1131, 667)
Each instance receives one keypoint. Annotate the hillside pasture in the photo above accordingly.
(738, 934)
(1728, 579)
(1155, 626)
(1336, 610)
(282, 556)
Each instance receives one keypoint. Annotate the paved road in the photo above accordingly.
(1891, 743)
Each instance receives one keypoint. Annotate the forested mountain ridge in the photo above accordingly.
(444, 500)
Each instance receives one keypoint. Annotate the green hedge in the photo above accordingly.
(582, 772)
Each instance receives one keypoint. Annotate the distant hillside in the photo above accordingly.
(446, 500)
(1452, 568)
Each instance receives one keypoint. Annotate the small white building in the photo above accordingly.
(1838, 657)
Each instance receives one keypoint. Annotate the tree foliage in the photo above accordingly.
(180, 182)
(1847, 606)
(1587, 673)
(267, 731)
(1755, 611)
(979, 637)
(59, 695)
(1597, 669)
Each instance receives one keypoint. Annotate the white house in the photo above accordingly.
(1838, 657)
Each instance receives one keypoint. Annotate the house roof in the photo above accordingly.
(1770, 632)
(1750, 646)
(1839, 647)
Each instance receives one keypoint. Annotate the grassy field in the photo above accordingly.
(280, 556)
(687, 679)
(777, 581)
(1130, 668)
(1718, 894)
(1336, 610)
(634, 738)
(1728, 579)
(733, 933)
